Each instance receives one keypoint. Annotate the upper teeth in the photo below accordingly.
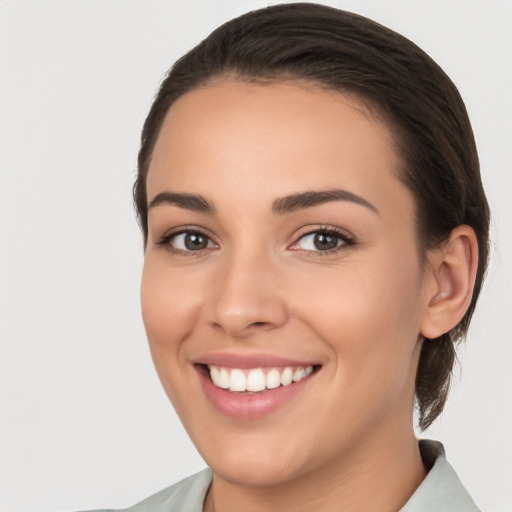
(255, 380)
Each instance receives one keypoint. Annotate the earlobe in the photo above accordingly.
(450, 282)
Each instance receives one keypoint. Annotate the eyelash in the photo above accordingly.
(165, 241)
(346, 239)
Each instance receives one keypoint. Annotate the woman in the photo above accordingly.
(316, 235)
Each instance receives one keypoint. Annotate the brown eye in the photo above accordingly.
(194, 241)
(321, 242)
(325, 242)
(187, 241)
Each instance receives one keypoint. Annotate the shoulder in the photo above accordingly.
(186, 496)
(442, 489)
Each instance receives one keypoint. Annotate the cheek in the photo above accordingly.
(369, 316)
(364, 297)
(170, 309)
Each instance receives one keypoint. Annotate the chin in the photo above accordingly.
(262, 472)
(260, 458)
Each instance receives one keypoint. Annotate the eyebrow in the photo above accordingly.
(281, 206)
(312, 198)
(192, 202)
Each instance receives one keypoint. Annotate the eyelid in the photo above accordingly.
(347, 238)
(166, 239)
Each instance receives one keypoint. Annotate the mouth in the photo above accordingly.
(256, 380)
(253, 386)
(249, 393)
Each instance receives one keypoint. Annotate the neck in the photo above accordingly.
(381, 476)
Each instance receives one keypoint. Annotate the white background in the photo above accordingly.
(83, 421)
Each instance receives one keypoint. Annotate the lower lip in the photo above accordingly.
(249, 405)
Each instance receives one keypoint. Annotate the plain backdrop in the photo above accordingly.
(83, 420)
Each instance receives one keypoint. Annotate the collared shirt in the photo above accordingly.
(440, 491)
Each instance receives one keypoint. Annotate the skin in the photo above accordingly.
(359, 310)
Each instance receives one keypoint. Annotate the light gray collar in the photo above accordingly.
(441, 491)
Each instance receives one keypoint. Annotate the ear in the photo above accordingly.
(451, 271)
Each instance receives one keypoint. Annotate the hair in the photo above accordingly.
(395, 80)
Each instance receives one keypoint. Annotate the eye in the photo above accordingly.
(323, 240)
(187, 241)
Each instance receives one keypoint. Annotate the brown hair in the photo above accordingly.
(396, 80)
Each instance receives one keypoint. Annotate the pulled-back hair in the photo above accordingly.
(396, 81)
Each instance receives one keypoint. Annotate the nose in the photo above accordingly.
(246, 297)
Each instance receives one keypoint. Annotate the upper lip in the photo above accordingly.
(255, 360)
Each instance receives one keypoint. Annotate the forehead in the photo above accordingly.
(268, 138)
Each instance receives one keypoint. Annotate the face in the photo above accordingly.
(282, 290)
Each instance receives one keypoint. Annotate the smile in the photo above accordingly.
(257, 379)
(252, 386)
